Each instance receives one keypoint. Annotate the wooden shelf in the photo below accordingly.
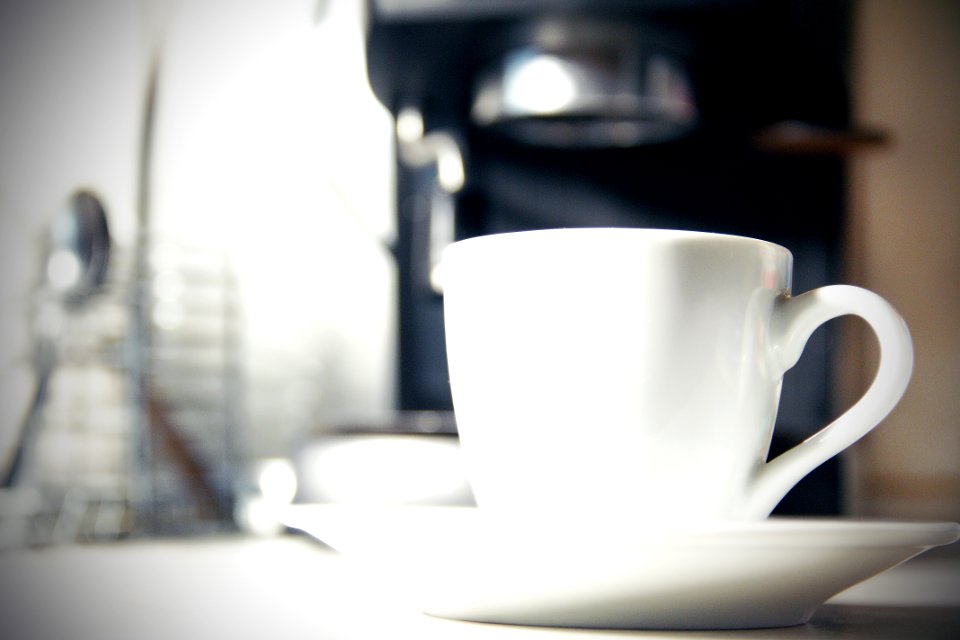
(793, 137)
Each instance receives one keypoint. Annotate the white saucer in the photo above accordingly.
(471, 564)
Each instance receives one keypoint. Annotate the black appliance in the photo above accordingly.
(715, 115)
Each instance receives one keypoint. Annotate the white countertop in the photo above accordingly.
(293, 588)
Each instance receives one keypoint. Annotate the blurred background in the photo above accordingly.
(220, 225)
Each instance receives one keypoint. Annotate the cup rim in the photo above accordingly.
(665, 233)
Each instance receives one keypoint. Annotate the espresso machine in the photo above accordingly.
(726, 116)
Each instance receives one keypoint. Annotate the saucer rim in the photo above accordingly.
(839, 531)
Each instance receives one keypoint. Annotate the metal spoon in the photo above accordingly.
(75, 270)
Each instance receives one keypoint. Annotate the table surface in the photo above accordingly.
(292, 588)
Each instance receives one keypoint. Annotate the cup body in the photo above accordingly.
(614, 369)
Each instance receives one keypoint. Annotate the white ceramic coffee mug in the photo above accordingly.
(637, 369)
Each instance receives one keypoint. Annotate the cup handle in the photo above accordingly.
(794, 320)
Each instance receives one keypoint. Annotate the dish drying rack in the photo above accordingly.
(135, 423)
